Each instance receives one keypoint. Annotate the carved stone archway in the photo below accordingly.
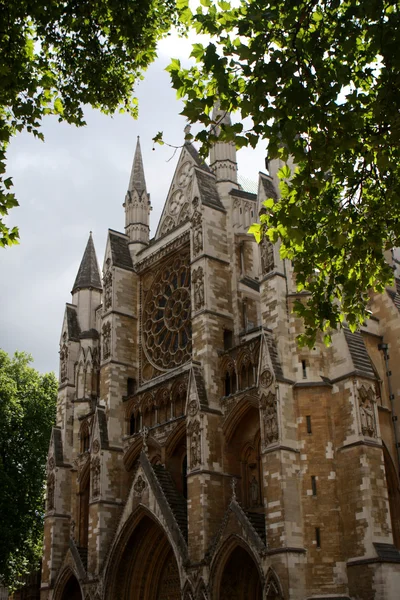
(236, 575)
(72, 590)
(144, 567)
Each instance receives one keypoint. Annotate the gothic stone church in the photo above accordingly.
(198, 453)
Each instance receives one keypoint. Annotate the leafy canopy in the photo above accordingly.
(27, 413)
(57, 55)
(319, 80)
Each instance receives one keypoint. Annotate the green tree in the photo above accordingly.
(57, 55)
(27, 414)
(319, 80)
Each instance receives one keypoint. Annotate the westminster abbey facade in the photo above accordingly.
(199, 453)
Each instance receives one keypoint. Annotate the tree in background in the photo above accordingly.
(57, 56)
(319, 81)
(27, 414)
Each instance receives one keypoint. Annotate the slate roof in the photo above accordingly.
(88, 274)
(269, 188)
(74, 329)
(243, 194)
(199, 161)
(208, 190)
(273, 352)
(395, 295)
(121, 256)
(358, 353)
(387, 552)
(201, 388)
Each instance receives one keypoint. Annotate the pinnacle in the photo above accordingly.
(137, 181)
(88, 274)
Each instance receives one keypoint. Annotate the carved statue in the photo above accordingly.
(195, 444)
(367, 411)
(267, 256)
(198, 280)
(106, 332)
(64, 362)
(107, 286)
(51, 482)
(271, 430)
(254, 500)
(96, 476)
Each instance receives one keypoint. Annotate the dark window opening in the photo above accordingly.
(314, 485)
(308, 419)
(132, 424)
(184, 476)
(304, 367)
(131, 386)
(318, 537)
(227, 384)
(228, 339)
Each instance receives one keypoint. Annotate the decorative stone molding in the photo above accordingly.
(266, 378)
(95, 468)
(197, 228)
(178, 242)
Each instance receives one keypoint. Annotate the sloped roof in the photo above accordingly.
(358, 353)
(273, 352)
(88, 273)
(73, 327)
(269, 188)
(199, 161)
(121, 256)
(243, 194)
(208, 190)
(395, 295)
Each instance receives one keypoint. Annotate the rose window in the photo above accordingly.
(167, 333)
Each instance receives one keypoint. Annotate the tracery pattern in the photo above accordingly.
(167, 334)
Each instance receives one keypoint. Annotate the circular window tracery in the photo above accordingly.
(167, 316)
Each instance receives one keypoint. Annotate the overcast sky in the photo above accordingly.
(73, 183)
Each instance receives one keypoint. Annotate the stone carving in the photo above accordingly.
(198, 281)
(254, 499)
(164, 251)
(72, 529)
(184, 214)
(270, 418)
(107, 286)
(51, 484)
(195, 444)
(266, 378)
(168, 225)
(51, 463)
(197, 228)
(106, 333)
(95, 476)
(367, 412)
(145, 436)
(64, 359)
(139, 486)
(193, 407)
(267, 256)
(185, 173)
(96, 446)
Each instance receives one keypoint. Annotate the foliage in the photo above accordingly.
(27, 413)
(319, 80)
(56, 56)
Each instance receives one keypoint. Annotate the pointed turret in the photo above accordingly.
(88, 274)
(223, 161)
(86, 293)
(137, 205)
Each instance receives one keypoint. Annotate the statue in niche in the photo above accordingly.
(107, 286)
(96, 476)
(271, 430)
(198, 280)
(106, 332)
(367, 414)
(197, 228)
(64, 359)
(254, 496)
(267, 256)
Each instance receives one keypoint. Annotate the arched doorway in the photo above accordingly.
(72, 590)
(146, 569)
(240, 579)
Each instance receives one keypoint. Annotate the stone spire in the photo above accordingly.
(137, 181)
(137, 206)
(223, 161)
(88, 276)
